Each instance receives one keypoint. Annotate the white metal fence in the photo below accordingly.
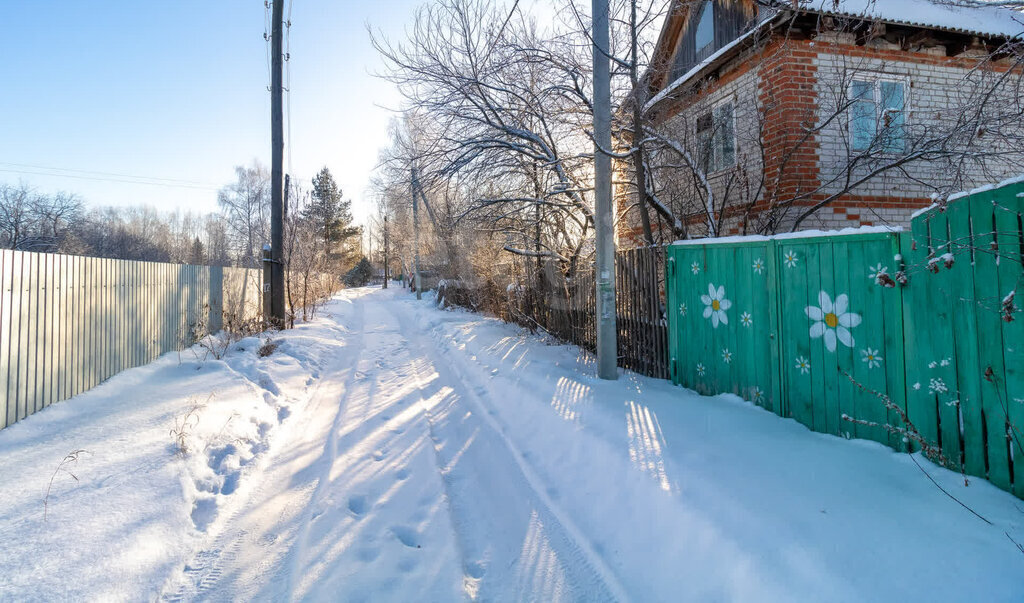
(67, 323)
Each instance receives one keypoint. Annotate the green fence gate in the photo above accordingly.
(820, 328)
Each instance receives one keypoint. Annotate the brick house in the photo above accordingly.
(823, 114)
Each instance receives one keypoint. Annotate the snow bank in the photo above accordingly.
(167, 447)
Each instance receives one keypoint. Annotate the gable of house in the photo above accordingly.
(744, 97)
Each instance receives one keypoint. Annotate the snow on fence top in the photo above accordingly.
(973, 191)
(803, 234)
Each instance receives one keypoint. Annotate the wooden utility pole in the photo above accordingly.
(413, 185)
(277, 169)
(607, 346)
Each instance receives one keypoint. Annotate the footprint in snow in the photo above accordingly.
(357, 504)
(402, 474)
(378, 455)
(407, 536)
(368, 553)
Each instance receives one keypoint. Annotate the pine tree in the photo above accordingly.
(197, 255)
(331, 214)
(360, 275)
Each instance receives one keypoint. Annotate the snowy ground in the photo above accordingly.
(392, 451)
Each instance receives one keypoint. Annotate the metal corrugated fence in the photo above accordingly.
(67, 323)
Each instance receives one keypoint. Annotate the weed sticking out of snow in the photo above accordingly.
(267, 348)
(65, 465)
(183, 426)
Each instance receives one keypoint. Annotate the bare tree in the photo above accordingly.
(245, 204)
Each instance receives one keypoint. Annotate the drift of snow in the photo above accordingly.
(393, 451)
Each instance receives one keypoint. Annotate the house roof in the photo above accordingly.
(975, 20)
(985, 21)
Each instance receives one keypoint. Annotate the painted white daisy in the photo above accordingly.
(746, 319)
(790, 259)
(871, 357)
(758, 395)
(832, 321)
(695, 267)
(937, 386)
(803, 364)
(726, 356)
(875, 271)
(700, 369)
(759, 265)
(682, 309)
(716, 304)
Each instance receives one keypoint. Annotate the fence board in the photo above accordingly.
(6, 271)
(986, 295)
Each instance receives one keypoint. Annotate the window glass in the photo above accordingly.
(725, 130)
(892, 118)
(705, 32)
(716, 139)
(705, 148)
(862, 121)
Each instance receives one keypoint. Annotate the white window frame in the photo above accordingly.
(713, 167)
(876, 79)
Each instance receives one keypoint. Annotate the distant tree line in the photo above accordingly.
(320, 236)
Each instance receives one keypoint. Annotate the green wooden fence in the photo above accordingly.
(818, 327)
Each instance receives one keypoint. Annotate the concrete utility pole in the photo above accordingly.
(386, 275)
(413, 185)
(277, 170)
(607, 353)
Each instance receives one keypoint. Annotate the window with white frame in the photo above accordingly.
(878, 115)
(716, 138)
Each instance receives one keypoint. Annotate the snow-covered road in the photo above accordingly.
(393, 482)
(392, 451)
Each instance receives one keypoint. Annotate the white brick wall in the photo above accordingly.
(937, 96)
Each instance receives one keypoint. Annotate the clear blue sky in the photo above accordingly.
(177, 89)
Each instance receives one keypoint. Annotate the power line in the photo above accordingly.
(114, 174)
(120, 180)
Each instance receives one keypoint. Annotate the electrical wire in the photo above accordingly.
(120, 180)
(158, 180)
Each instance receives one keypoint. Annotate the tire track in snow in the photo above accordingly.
(299, 548)
(570, 544)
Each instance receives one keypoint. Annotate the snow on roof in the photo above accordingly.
(679, 81)
(975, 20)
